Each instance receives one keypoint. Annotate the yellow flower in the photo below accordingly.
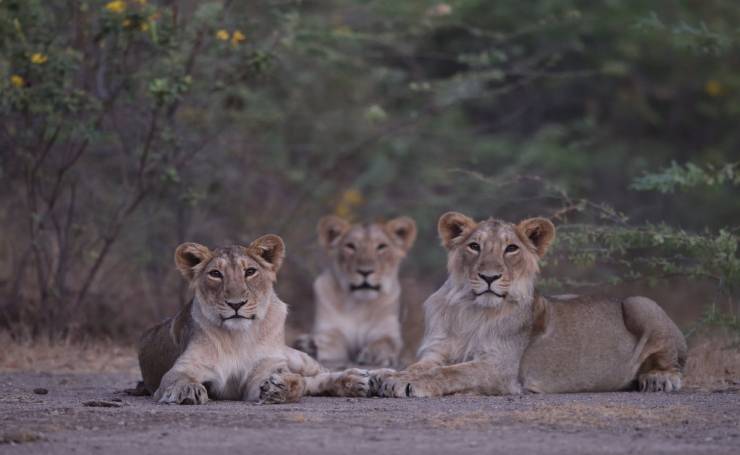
(17, 81)
(347, 202)
(713, 88)
(117, 6)
(342, 31)
(144, 26)
(127, 23)
(223, 35)
(38, 58)
(237, 37)
(141, 2)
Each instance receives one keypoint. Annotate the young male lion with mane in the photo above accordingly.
(229, 342)
(358, 295)
(489, 332)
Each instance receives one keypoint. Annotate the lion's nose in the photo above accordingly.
(489, 278)
(365, 272)
(236, 305)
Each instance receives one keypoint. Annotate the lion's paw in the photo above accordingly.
(182, 393)
(659, 381)
(281, 388)
(403, 385)
(376, 379)
(354, 382)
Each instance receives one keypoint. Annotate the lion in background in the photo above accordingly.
(489, 332)
(228, 342)
(358, 295)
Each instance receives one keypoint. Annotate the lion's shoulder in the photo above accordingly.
(181, 326)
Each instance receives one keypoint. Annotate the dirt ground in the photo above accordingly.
(62, 421)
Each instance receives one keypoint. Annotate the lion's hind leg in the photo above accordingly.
(660, 353)
(659, 381)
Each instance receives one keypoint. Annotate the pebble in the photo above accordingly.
(102, 404)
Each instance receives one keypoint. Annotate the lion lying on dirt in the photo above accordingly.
(358, 295)
(489, 332)
(229, 342)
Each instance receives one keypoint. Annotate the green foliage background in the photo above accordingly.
(130, 126)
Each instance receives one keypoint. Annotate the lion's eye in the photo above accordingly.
(350, 246)
(511, 248)
(250, 271)
(474, 246)
(215, 274)
(382, 246)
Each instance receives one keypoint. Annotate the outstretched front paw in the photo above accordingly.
(282, 388)
(353, 383)
(404, 385)
(182, 393)
(376, 379)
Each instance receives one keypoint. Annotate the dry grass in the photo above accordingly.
(66, 357)
(713, 363)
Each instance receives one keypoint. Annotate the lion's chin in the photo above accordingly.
(365, 294)
(237, 324)
(488, 300)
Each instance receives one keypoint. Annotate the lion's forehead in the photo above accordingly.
(494, 232)
(366, 234)
(366, 239)
(233, 256)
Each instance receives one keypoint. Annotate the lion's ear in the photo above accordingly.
(402, 231)
(330, 228)
(539, 231)
(189, 256)
(270, 248)
(453, 226)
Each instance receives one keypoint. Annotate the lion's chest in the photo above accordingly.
(475, 334)
(360, 323)
(232, 369)
(229, 377)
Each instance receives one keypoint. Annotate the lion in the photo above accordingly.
(358, 295)
(489, 332)
(228, 342)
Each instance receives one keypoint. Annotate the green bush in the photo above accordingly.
(130, 126)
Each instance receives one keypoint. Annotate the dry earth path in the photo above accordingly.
(609, 423)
